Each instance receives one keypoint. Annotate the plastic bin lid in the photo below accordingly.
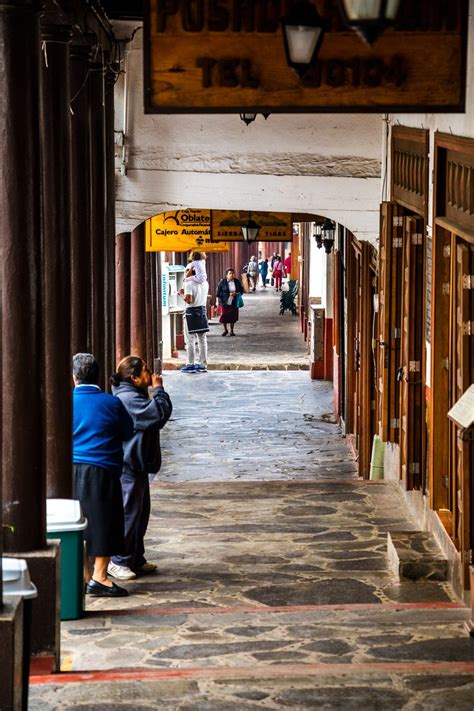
(16, 578)
(64, 515)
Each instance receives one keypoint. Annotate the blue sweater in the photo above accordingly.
(100, 425)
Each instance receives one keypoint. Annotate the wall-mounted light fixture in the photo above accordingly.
(247, 118)
(328, 230)
(250, 230)
(369, 18)
(317, 234)
(303, 32)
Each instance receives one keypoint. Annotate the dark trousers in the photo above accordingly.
(136, 506)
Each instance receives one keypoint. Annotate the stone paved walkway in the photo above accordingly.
(274, 588)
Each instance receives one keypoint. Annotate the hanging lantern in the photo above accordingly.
(328, 230)
(317, 234)
(250, 230)
(369, 18)
(303, 32)
(247, 118)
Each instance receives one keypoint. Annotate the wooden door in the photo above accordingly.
(389, 321)
(412, 343)
(357, 315)
(462, 459)
(440, 381)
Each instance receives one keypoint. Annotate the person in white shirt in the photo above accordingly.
(195, 323)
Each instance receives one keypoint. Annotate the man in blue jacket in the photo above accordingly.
(100, 425)
(150, 409)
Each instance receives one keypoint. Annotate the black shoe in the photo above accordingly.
(98, 590)
(224, 334)
(232, 334)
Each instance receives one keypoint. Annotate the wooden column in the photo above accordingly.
(98, 227)
(122, 295)
(148, 286)
(137, 292)
(80, 199)
(56, 182)
(109, 324)
(22, 452)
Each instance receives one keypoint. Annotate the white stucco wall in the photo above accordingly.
(327, 164)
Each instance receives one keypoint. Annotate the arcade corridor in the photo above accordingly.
(274, 578)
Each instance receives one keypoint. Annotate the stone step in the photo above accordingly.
(415, 555)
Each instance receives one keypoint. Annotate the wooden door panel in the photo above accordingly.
(388, 352)
(412, 343)
(464, 376)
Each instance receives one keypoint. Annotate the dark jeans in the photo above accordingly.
(136, 505)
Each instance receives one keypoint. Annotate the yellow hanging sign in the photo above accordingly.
(274, 226)
(181, 231)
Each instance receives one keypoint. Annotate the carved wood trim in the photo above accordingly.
(454, 180)
(410, 168)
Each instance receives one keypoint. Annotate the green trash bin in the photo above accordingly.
(17, 583)
(64, 521)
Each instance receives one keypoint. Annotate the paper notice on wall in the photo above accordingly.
(462, 413)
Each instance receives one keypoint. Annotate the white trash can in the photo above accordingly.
(17, 583)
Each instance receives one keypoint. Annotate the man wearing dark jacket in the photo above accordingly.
(150, 409)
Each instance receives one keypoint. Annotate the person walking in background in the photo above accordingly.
(252, 271)
(228, 290)
(195, 323)
(288, 266)
(100, 425)
(264, 272)
(278, 272)
(272, 262)
(150, 411)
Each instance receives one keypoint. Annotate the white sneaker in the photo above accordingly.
(120, 572)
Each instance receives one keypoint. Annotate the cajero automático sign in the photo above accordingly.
(228, 56)
(180, 231)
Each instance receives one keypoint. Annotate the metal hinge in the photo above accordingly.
(395, 424)
(445, 363)
(414, 468)
(397, 221)
(445, 480)
(468, 328)
(414, 366)
(417, 238)
(372, 404)
(447, 250)
(446, 288)
(396, 332)
(468, 281)
(397, 242)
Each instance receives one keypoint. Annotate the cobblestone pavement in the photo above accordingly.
(263, 340)
(274, 589)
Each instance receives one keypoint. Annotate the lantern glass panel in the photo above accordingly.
(302, 41)
(363, 9)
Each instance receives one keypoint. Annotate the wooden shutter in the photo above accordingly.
(463, 375)
(412, 342)
(388, 350)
